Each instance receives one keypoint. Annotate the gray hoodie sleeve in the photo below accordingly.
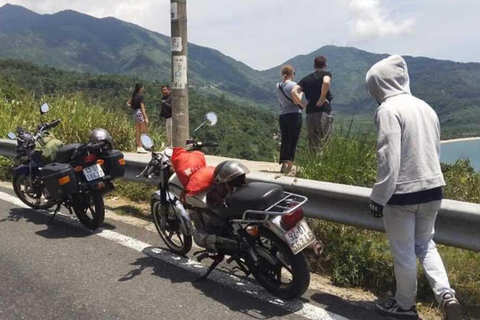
(388, 155)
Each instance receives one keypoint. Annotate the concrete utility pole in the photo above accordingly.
(179, 85)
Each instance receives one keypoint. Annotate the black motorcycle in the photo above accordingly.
(75, 176)
(266, 223)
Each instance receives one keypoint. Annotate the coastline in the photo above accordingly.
(460, 140)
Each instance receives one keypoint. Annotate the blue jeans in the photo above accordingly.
(410, 230)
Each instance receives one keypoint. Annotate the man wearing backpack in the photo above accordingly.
(316, 87)
(408, 193)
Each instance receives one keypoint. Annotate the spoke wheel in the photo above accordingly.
(282, 273)
(168, 226)
(31, 193)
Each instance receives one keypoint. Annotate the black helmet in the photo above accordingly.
(228, 171)
(101, 135)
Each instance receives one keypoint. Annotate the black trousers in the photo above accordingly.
(290, 127)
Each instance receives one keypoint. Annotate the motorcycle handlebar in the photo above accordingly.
(53, 124)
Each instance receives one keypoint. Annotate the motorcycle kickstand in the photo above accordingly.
(216, 261)
(57, 210)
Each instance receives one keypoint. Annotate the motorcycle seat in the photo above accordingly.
(254, 196)
(65, 153)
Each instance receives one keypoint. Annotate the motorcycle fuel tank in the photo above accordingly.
(176, 187)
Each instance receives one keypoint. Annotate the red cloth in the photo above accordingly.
(187, 163)
(200, 181)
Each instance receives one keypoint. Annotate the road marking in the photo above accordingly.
(297, 307)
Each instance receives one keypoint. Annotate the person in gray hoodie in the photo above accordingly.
(408, 192)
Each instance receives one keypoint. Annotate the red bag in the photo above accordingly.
(187, 163)
(200, 181)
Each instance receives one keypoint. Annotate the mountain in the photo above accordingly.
(451, 88)
(73, 41)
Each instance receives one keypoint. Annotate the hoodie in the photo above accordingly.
(408, 146)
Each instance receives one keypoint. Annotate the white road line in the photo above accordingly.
(298, 307)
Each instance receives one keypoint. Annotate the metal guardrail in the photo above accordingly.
(458, 223)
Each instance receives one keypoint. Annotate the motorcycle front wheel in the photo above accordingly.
(282, 273)
(89, 209)
(31, 193)
(168, 227)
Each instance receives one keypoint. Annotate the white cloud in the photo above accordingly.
(370, 20)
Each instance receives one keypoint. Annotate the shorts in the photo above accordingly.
(138, 116)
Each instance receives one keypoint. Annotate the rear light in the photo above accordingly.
(63, 180)
(252, 230)
(100, 185)
(78, 169)
(290, 220)
(90, 158)
(121, 162)
(100, 162)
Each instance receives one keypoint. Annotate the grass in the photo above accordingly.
(79, 116)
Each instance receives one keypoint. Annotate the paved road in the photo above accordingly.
(63, 271)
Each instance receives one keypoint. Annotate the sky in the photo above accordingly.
(266, 33)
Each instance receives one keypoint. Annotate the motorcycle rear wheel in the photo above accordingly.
(282, 273)
(168, 227)
(32, 198)
(89, 209)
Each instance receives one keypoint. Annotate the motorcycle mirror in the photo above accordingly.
(44, 108)
(147, 141)
(12, 136)
(211, 119)
(169, 152)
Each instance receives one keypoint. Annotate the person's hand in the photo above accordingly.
(376, 209)
(321, 102)
(146, 121)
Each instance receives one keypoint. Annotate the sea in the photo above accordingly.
(455, 150)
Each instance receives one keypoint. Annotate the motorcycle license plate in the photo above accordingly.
(299, 237)
(93, 172)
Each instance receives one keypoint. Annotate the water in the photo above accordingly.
(453, 151)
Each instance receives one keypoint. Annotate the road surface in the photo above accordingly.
(64, 271)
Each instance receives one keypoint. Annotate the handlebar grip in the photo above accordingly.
(53, 124)
(213, 144)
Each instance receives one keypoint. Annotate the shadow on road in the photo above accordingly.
(361, 310)
(56, 229)
(231, 298)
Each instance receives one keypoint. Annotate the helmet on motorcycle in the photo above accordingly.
(228, 171)
(101, 135)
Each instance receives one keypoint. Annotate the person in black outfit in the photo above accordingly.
(166, 112)
(137, 104)
(316, 87)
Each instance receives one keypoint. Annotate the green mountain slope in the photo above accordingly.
(73, 41)
(452, 88)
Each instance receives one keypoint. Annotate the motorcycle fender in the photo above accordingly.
(182, 214)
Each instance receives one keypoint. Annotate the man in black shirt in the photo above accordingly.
(166, 112)
(316, 87)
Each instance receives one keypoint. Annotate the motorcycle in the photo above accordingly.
(267, 224)
(75, 176)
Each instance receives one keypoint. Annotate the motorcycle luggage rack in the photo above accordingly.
(288, 204)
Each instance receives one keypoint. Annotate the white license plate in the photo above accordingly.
(93, 173)
(299, 237)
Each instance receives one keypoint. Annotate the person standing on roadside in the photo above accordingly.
(166, 112)
(408, 193)
(290, 119)
(137, 104)
(316, 87)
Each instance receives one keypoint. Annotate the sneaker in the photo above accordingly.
(141, 150)
(451, 308)
(392, 308)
